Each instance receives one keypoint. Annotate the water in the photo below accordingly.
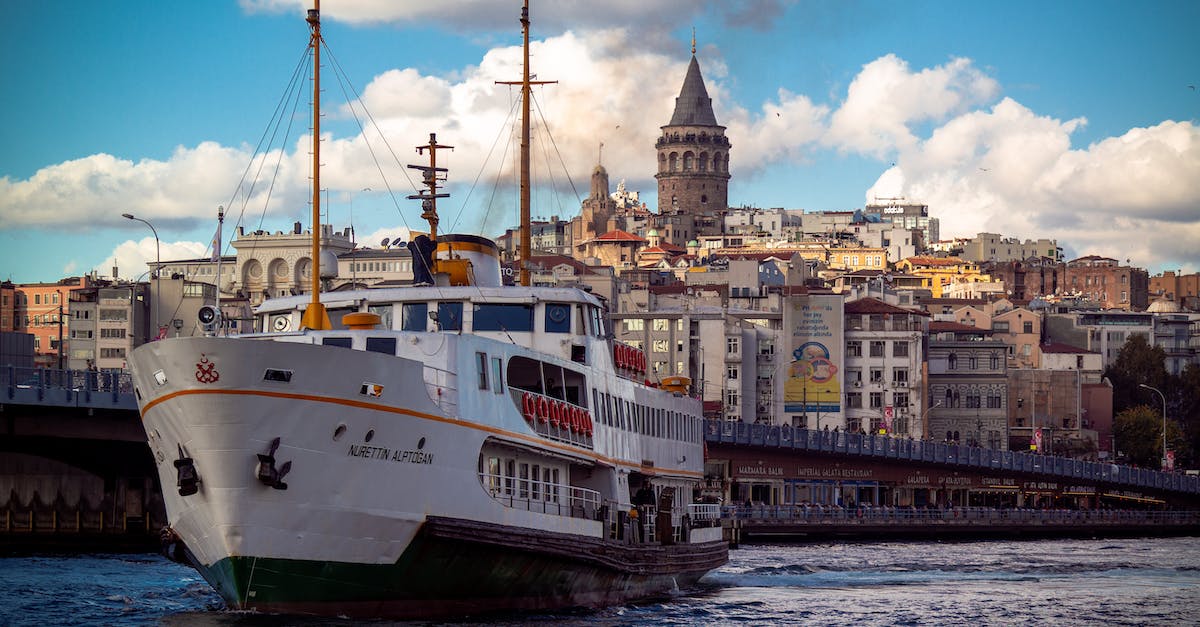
(1068, 582)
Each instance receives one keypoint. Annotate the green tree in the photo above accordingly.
(1183, 405)
(1139, 436)
(1138, 363)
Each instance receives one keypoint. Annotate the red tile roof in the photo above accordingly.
(619, 236)
(876, 306)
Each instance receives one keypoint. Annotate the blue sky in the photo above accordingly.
(1069, 120)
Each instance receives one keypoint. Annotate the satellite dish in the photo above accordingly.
(384, 243)
(399, 243)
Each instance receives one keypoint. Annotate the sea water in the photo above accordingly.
(1047, 582)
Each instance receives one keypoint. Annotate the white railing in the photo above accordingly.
(539, 496)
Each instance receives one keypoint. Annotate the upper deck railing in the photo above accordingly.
(968, 457)
(66, 388)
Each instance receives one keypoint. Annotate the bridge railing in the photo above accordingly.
(887, 447)
(50, 386)
(825, 514)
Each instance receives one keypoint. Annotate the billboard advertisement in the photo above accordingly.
(812, 378)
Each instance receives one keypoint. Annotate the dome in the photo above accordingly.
(1164, 305)
(652, 233)
(693, 244)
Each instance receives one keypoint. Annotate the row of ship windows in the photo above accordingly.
(652, 421)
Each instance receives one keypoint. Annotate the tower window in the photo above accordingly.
(703, 199)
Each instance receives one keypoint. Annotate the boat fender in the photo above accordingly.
(543, 409)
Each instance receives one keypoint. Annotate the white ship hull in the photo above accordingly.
(386, 509)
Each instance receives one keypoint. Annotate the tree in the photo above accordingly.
(1139, 435)
(1137, 363)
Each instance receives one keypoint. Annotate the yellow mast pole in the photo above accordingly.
(315, 316)
(526, 236)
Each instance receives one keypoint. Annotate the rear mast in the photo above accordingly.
(315, 316)
(525, 83)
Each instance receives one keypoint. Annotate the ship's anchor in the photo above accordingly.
(185, 471)
(267, 473)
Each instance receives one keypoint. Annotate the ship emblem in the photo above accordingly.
(206, 371)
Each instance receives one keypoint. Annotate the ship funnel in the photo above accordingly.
(468, 260)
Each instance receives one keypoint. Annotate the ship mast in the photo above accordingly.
(525, 84)
(315, 317)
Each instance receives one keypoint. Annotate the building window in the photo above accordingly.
(899, 349)
(731, 346)
(1000, 327)
(994, 402)
(731, 373)
(661, 346)
(953, 359)
(635, 324)
(994, 361)
(877, 348)
(661, 324)
(854, 400)
(854, 349)
(731, 399)
(972, 362)
(972, 401)
(876, 400)
(900, 377)
(1027, 327)
(876, 375)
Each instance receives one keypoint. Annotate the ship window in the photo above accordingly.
(498, 374)
(414, 317)
(493, 317)
(449, 316)
(385, 345)
(558, 318)
(282, 376)
(481, 368)
(342, 342)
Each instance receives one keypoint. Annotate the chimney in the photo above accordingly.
(296, 228)
(114, 272)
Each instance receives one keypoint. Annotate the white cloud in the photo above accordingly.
(886, 99)
(1013, 172)
(133, 258)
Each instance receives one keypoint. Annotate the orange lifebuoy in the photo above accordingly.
(556, 414)
(543, 409)
(587, 422)
(576, 422)
(620, 355)
(529, 407)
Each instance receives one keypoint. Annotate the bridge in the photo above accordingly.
(76, 469)
(783, 481)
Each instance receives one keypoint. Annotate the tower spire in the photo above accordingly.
(693, 40)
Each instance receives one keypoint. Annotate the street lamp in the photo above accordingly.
(157, 266)
(925, 425)
(1164, 418)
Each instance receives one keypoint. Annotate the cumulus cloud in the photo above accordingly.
(887, 99)
(980, 160)
(1011, 171)
(133, 258)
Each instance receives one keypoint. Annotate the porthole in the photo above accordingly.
(339, 432)
(370, 436)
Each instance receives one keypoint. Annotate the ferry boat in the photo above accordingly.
(451, 448)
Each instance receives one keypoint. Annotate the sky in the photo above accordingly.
(1069, 120)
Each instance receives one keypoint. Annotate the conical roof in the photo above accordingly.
(693, 107)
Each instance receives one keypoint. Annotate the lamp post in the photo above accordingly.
(157, 267)
(924, 425)
(1164, 420)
